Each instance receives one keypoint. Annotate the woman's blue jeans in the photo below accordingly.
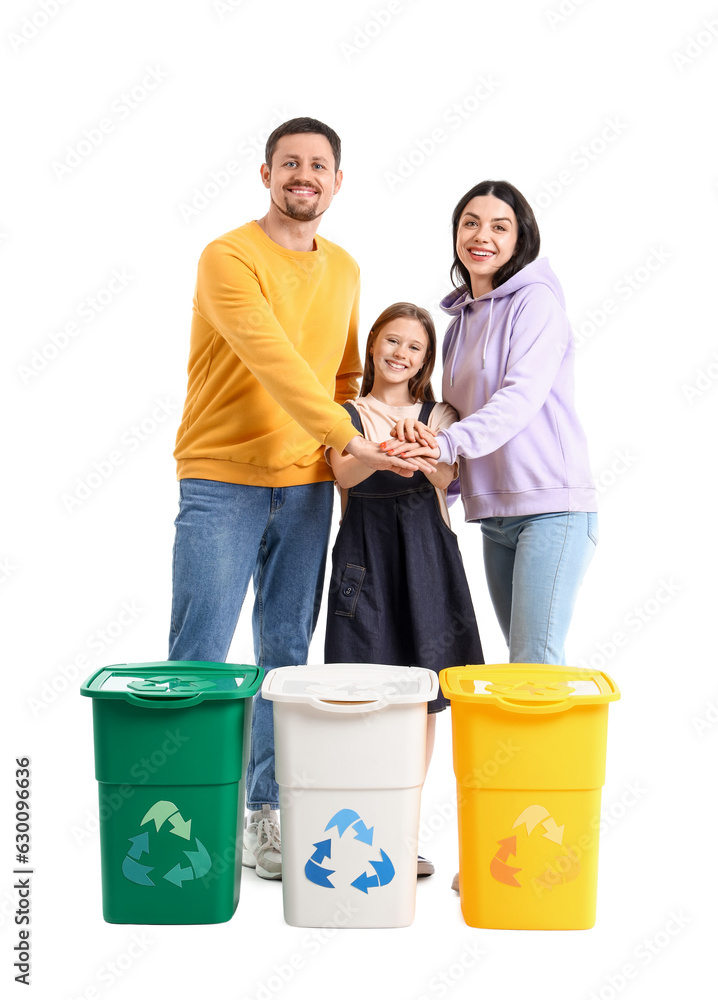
(227, 534)
(534, 568)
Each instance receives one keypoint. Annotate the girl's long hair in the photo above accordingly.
(527, 243)
(420, 385)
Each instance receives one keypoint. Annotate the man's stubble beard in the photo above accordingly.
(307, 214)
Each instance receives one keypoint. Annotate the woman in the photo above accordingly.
(524, 469)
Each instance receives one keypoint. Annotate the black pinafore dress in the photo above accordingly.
(398, 592)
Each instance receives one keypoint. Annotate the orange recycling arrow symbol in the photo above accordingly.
(500, 871)
(508, 849)
(564, 869)
(571, 870)
(553, 832)
(533, 815)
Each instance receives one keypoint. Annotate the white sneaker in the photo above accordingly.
(262, 844)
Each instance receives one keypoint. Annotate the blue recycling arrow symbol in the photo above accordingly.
(346, 818)
(343, 820)
(384, 874)
(323, 850)
(318, 875)
(365, 882)
(366, 836)
(384, 869)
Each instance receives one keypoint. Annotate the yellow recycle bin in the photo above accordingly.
(529, 746)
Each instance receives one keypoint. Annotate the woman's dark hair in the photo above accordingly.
(527, 243)
(420, 385)
(296, 126)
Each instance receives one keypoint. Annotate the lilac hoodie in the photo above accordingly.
(508, 371)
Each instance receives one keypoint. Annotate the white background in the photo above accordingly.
(635, 83)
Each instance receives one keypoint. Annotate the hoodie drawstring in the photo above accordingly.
(458, 344)
(456, 303)
(459, 334)
(488, 334)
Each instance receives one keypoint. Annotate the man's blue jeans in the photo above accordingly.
(534, 569)
(226, 535)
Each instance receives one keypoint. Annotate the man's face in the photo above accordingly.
(302, 180)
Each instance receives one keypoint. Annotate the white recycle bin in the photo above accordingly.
(350, 746)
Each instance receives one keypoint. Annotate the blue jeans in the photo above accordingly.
(534, 568)
(226, 535)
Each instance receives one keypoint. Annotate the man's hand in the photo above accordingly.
(372, 456)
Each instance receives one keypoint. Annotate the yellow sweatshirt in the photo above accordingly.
(273, 354)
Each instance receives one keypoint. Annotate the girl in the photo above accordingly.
(525, 474)
(398, 592)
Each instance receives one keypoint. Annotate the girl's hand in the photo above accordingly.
(410, 429)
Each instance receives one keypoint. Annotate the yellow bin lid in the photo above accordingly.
(528, 687)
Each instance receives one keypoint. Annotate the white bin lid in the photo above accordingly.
(351, 687)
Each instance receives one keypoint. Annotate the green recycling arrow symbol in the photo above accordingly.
(159, 813)
(162, 811)
(178, 685)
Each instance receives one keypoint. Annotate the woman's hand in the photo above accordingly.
(413, 430)
(422, 463)
(416, 452)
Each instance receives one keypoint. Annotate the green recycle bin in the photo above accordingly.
(171, 751)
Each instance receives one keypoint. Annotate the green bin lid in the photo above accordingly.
(192, 681)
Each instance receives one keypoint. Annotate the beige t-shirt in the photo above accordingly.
(378, 419)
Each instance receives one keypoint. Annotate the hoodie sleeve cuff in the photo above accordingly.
(447, 453)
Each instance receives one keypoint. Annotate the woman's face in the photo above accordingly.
(486, 239)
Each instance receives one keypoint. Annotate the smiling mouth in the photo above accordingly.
(302, 192)
(395, 366)
(481, 254)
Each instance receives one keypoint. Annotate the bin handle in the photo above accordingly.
(152, 701)
(367, 706)
(534, 708)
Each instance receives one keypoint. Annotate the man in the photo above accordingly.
(273, 354)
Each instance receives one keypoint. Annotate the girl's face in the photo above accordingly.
(486, 239)
(399, 350)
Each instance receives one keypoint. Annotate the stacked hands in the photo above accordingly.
(412, 448)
